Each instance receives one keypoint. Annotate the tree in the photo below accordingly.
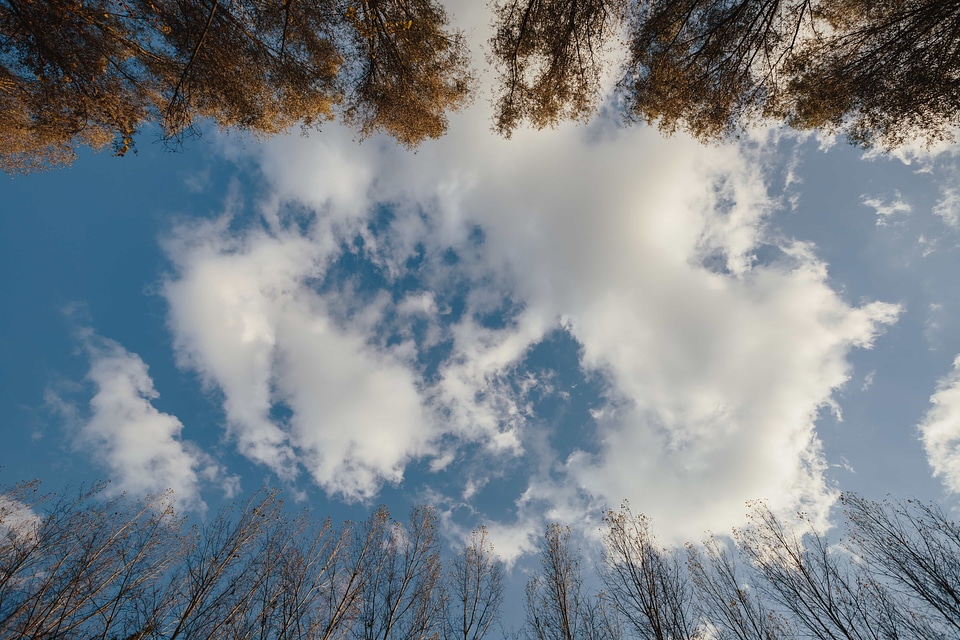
(707, 67)
(401, 593)
(894, 577)
(726, 597)
(215, 586)
(914, 547)
(647, 583)
(826, 595)
(795, 583)
(558, 608)
(409, 70)
(881, 73)
(91, 72)
(475, 589)
(550, 55)
(90, 567)
(88, 564)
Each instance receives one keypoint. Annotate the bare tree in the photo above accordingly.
(219, 578)
(89, 567)
(298, 591)
(475, 589)
(826, 594)
(647, 582)
(558, 607)
(85, 564)
(727, 596)
(602, 619)
(401, 596)
(915, 548)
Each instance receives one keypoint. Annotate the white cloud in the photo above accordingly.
(933, 325)
(245, 316)
(141, 447)
(357, 417)
(948, 206)
(938, 160)
(224, 325)
(918, 152)
(643, 248)
(940, 430)
(887, 211)
(17, 520)
(512, 540)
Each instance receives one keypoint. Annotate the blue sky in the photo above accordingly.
(518, 332)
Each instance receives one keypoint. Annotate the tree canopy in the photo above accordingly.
(90, 566)
(92, 72)
(881, 72)
(87, 566)
(893, 575)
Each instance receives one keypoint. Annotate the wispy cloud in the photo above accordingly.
(887, 210)
(948, 206)
(933, 325)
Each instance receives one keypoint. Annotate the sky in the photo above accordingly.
(516, 331)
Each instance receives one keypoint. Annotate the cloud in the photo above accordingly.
(224, 325)
(246, 316)
(644, 250)
(948, 206)
(940, 430)
(513, 540)
(940, 161)
(718, 341)
(357, 416)
(919, 152)
(933, 325)
(726, 411)
(887, 211)
(140, 446)
(17, 519)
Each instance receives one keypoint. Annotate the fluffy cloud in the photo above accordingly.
(718, 341)
(141, 447)
(245, 316)
(644, 250)
(940, 430)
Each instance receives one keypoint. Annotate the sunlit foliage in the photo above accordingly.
(550, 58)
(882, 73)
(92, 72)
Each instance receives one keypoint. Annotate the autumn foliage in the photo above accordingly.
(881, 72)
(93, 72)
